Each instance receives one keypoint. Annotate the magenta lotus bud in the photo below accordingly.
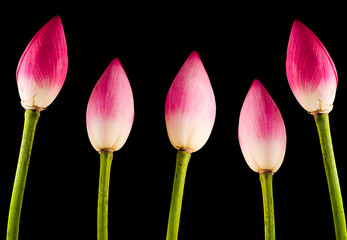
(43, 66)
(262, 134)
(110, 110)
(311, 72)
(190, 107)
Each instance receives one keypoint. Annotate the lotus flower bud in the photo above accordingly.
(311, 72)
(262, 134)
(43, 66)
(190, 106)
(110, 110)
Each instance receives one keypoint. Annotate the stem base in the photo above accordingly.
(323, 127)
(30, 121)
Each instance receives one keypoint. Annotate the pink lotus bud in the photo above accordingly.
(262, 134)
(311, 72)
(110, 110)
(42, 68)
(190, 106)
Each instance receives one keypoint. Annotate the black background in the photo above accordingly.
(222, 197)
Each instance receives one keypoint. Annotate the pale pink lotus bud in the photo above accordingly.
(311, 72)
(262, 134)
(43, 66)
(110, 110)
(190, 107)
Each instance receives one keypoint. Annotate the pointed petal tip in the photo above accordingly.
(194, 55)
(55, 21)
(300, 27)
(115, 65)
(297, 22)
(56, 18)
(257, 85)
(116, 62)
(256, 82)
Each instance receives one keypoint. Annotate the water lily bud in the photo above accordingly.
(262, 134)
(110, 110)
(190, 107)
(311, 72)
(43, 66)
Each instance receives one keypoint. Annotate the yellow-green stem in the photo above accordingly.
(182, 161)
(323, 127)
(104, 183)
(30, 121)
(268, 203)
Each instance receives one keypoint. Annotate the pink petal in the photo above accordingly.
(262, 134)
(311, 72)
(110, 110)
(190, 106)
(43, 66)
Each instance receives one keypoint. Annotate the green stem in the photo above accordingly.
(322, 122)
(268, 203)
(104, 183)
(30, 121)
(182, 161)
